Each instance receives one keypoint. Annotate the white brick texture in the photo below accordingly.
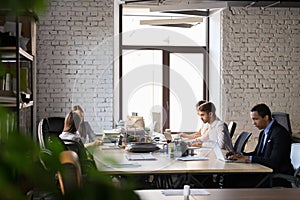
(74, 60)
(260, 64)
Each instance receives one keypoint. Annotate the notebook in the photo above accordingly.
(148, 156)
(221, 156)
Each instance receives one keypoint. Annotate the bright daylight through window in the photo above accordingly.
(163, 65)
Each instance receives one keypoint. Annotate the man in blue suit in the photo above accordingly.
(274, 143)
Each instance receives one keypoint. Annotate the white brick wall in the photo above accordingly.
(74, 60)
(260, 63)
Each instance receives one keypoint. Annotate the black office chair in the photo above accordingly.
(56, 145)
(48, 135)
(241, 141)
(283, 119)
(295, 158)
(231, 128)
(85, 157)
(68, 178)
(48, 126)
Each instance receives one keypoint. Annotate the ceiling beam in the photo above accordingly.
(189, 12)
(201, 5)
(185, 20)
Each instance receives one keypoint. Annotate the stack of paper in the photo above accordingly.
(179, 192)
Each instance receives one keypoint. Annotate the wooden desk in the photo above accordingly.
(164, 164)
(229, 194)
(171, 173)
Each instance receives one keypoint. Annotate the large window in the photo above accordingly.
(162, 71)
(186, 88)
(142, 83)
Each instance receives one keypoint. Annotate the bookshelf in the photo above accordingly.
(17, 72)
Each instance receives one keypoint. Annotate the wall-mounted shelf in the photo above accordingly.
(10, 53)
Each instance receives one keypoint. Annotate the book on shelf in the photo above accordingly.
(5, 99)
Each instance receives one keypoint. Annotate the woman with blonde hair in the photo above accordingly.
(85, 130)
(72, 125)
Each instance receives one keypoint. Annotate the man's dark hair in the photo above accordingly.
(199, 103)
(263, 110)
(208, 107)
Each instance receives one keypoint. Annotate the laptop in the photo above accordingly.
(221, 156)
(186, 156)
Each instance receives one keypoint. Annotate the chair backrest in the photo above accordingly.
(54, 125)
(231, 128)
(241, 141)
(283, 119)
(77, 147)
(48, 126)
(69, 174)
(86, 159)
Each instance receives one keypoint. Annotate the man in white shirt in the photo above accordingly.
(216, 131)
(203, 128)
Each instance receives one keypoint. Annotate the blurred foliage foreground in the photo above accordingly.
(21, 171)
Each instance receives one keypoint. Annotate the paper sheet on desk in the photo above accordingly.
(179, 192)
(191, 158)
(140, 157)
(106, 147)
(123, 165)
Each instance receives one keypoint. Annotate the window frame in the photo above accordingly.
(166, 50)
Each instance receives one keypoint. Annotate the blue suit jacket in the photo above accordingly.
(276, 152)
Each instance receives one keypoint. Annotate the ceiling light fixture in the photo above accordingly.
(185, 22)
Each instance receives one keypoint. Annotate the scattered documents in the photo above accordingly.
(179, 192)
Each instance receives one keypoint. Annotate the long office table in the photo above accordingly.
(229, 194)
(114, 162)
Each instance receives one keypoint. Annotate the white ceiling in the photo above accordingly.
(211, 2)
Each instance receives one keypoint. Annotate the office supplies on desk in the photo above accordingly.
(140, 147)
(110, 136)
(168, 136)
